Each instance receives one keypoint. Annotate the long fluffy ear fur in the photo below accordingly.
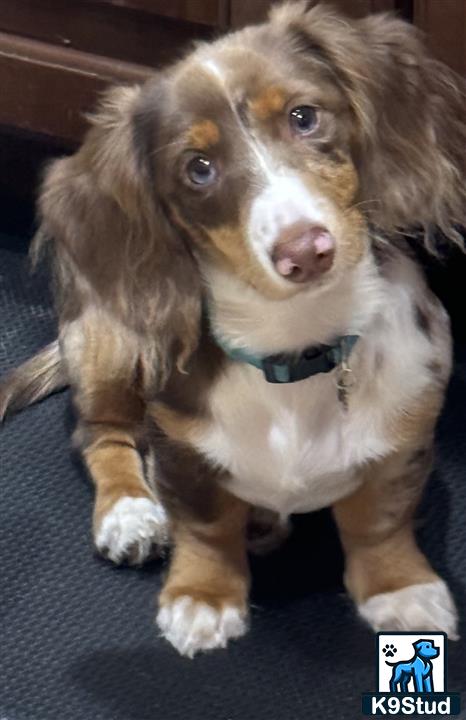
(113, 245)
(410, 147)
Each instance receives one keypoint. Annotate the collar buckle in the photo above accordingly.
(277, 370)
(283, 368)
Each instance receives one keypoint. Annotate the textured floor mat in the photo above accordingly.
(78, 641)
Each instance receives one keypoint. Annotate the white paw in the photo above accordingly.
(427, 606)
(192, 626)
(131, 530)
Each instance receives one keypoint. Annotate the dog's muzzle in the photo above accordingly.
(303, 252)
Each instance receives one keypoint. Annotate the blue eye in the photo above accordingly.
(201, 171)
(303, 119)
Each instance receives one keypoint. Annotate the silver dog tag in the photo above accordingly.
(345, 380)
(344, 384)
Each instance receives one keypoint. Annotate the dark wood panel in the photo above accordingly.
(101, 28)
(46, 90)
(208, 12)
(244, 13)
(444, 22)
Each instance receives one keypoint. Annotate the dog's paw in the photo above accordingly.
(192, 626)
(132, 530)
(427, 606)
(266, 531)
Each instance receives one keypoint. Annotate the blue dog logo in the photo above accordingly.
(419, 669)
(411, 687)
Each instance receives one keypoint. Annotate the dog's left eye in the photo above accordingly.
(201, 171)
(303, 119)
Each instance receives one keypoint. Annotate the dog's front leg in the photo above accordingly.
(391, 581)
(102, 363)
(204, 601)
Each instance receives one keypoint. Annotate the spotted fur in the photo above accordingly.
(149, 261)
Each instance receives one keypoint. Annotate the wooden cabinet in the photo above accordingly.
(57, 55)
(444, 22)
(208, 12)
(140, 31)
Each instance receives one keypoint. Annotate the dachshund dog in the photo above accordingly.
(240, 320)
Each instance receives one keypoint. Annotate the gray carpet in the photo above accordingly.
(78, 641)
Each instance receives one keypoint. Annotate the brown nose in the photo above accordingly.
(304, 253)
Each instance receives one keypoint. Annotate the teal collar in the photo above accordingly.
(292, 367)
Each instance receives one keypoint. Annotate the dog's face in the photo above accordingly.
(426, 649)
(252, 155)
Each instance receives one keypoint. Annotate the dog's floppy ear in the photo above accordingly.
(410, 146)
(113, 244)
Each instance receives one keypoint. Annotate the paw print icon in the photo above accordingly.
(389, 650)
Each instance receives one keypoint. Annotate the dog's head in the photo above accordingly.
(426, 649)
(249, 144)
(267, 153)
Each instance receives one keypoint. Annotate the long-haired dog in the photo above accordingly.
(238, 321)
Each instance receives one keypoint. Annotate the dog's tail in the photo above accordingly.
(32, 381)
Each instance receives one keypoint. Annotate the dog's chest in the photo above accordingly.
(291, 448)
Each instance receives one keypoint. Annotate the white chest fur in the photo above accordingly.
(287, 447)
(291, 447)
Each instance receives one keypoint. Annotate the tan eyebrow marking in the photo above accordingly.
(269, 102)
(204, 134)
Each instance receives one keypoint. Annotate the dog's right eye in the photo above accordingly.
(303, 119)
(201, 171)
